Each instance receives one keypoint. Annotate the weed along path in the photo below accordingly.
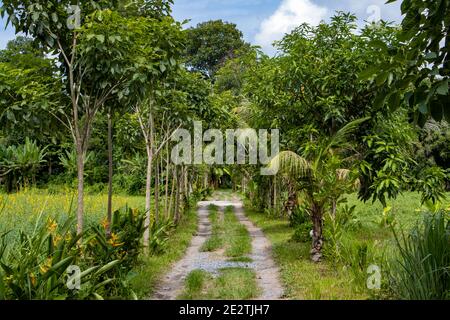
(228, 258)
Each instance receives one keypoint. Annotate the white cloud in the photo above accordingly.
(289, 15)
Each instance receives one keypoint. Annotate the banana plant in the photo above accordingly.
(21, 163)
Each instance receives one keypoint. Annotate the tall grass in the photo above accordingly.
(422, 268)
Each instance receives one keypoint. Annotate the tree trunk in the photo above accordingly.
(177, 196)
(148, 185)
(186, 183)
(166, 199)
(80, 202)
(275, 195)
(110, 174)
(172, 192)
(148, 198)
(157, 193)
(317, 238)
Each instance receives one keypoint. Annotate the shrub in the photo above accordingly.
(302, 232)
(421, 271)
(299, 216)
(35, 267)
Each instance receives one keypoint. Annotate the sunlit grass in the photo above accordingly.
(21, 210)
(306, 280)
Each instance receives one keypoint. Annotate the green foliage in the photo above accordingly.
(35, 268)
(388, 165)
(421, 270)
(299, 216)
(210, 44)
(20, 164)
(417, 72)
(302, 232)
(357, 256)
(432, 184)
(434, 148)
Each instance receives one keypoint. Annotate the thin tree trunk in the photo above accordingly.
(110, 174)
(275, 195)
(80, 201)
(186, 183)
(166, 199)
(317, 238)
(148, 185)
(177, 196)
(148, 199)
(172, 192)
(157, 192)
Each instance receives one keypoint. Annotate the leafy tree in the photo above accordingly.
(314, 82)
(210, 44)
(29, 88)
(418, 70)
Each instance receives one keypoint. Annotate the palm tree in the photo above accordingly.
(319, 175)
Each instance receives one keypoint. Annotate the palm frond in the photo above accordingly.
(342, 174)
(288, 162)
(341, 136)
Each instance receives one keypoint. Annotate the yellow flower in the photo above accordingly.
(51, 225)
(56, 239)
(105, 223)
(114, 240)
(387, 210)
(33, 279)
(46, 266)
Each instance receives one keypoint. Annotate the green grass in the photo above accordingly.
(230, 284)
(306, 280)
(228, 234)
(215, 241)
(21, 210)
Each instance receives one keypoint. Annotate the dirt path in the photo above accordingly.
(266, 270)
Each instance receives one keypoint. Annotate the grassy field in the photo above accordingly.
(306, 280)
(21, 210)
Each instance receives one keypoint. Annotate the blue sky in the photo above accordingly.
(263, 21)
